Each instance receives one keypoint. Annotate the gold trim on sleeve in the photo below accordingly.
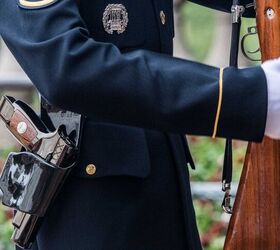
(219, 103)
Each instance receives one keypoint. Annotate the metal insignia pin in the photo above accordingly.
(115, 18)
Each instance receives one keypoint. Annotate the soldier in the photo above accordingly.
(111, 62)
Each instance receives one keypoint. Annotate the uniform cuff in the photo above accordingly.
(244, 105)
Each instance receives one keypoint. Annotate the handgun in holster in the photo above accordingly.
(31, 179)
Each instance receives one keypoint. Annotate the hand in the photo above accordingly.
(272, 71)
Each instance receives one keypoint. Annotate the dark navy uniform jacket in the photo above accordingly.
(139, 102)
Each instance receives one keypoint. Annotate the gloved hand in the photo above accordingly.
(272, 72)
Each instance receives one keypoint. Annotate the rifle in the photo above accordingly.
(255, 222)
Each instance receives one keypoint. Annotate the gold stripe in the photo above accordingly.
(35, 4)
(219, 103)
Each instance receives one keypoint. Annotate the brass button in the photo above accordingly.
(162, 17)
(91, 169)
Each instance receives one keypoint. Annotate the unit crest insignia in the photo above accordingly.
(115, 18)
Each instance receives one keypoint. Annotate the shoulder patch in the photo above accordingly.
(35, 4)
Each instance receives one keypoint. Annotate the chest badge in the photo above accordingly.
(115, 18)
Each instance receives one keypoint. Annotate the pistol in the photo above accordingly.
(53, 147)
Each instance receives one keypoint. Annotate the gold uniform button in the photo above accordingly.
(162, 17)
(91, 169)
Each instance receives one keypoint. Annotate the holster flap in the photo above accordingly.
(29, 183)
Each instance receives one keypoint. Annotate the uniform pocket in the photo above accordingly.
(112, 150)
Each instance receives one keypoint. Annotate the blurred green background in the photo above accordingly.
(197, 31)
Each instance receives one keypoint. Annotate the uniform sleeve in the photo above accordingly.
(140, 88)
(225, 5)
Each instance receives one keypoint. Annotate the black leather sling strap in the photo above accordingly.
(237, 10)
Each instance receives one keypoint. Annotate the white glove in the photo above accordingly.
(272, 71)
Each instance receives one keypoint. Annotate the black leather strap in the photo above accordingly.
(237, 11)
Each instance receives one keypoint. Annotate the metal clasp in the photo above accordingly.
(251, 5)
(226, 205)
(237, 12)
(247, 53)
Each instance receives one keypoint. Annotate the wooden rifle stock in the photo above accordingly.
(255, 223)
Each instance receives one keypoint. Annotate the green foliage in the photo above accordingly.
(203, 222)
(5, 230)
(36, 101)
(209, 155)
(217, 244)
(4, 152)
(197, 28)
(211, 228)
